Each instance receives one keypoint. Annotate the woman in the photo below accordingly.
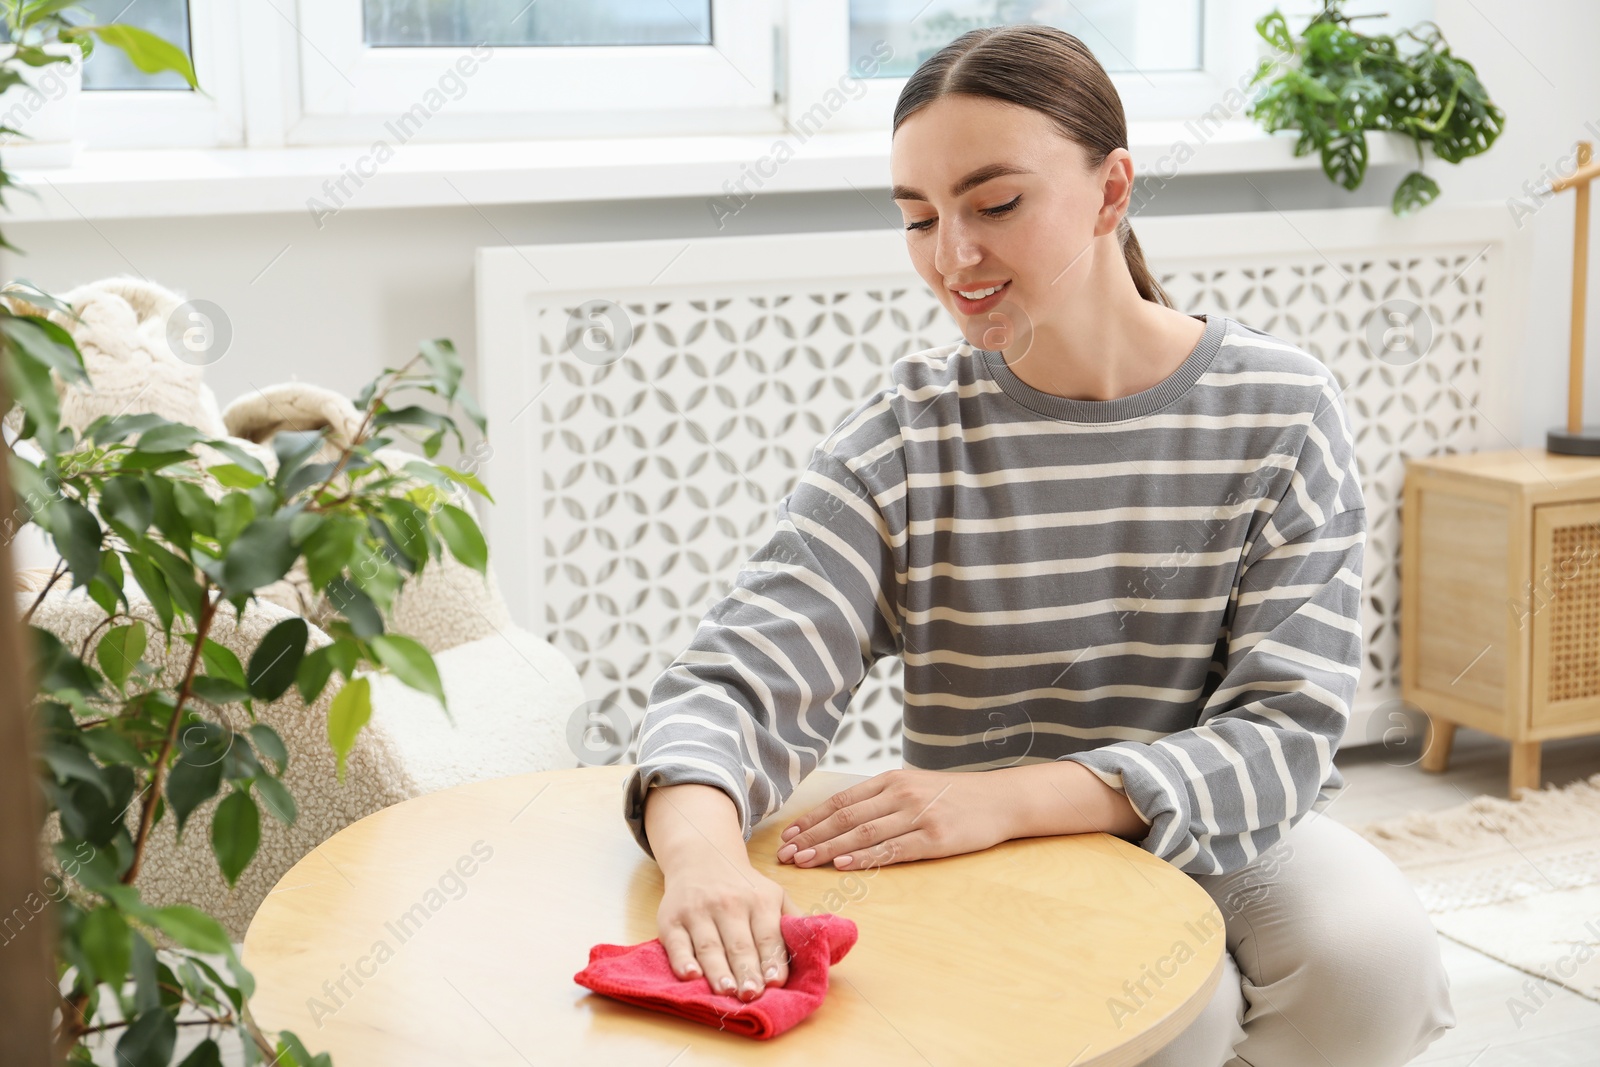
(1119, 549)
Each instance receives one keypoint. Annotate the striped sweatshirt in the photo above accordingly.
(1164, 587)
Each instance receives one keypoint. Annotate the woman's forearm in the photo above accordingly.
(688, 821)
(1065, 797)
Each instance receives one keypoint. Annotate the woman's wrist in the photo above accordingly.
(690, 823)
(1065, 797)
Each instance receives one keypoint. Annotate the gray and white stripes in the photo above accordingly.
(1164, 587)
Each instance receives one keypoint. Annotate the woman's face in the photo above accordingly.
(992, 194)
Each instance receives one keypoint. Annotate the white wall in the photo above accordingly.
(1542, 73)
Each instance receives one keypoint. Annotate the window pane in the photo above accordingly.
(108, 68)
(1125, 35)
(536, 22)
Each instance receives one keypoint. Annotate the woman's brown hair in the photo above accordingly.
(1050, 71)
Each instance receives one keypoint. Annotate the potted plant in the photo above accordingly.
(41, 73)
(140, 501)
(197, 524)
(1341, 83)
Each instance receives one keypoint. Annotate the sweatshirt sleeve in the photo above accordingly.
(751, 705)
(1218, 794)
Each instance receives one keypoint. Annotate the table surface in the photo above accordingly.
(1531, 465)
(447, 929)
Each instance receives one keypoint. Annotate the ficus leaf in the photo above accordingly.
(107, 943)
(119, 651)
(460, 531)
(148, 52)
(259, 556)
(218, 690)
(234, 513)
(29, 383)
(242, 459)
(68, 762)
(149, 1039)
(270, 745)
(191, 783)
(108, 430)
(330, 548)
(276, 660)
(293, 447)
(191, 927)
(350, 711)
(154, 586)
(235, 834)
(442, 360)
(196, 506)
(168, 437)
(220, 660)
(206, 1054)
(77, 536)
(234, 476)
(45, 342)
(356, 606)
(277, 799)
(411, 662)
(126, 500)
(313, 673)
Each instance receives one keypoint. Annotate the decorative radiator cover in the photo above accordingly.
(630, 487)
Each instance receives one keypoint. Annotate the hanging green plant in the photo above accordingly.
(1337, 84)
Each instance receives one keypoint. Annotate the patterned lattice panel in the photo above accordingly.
(1575, 615)
(1398, 407)
(658, 472)
(662, 470)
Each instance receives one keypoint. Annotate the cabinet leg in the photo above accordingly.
(1524, 766)
(1441, 733)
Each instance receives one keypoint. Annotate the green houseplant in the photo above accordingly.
(133, 496)
(32, 25)
(1338, 83)
(198, 524)
(41, 32)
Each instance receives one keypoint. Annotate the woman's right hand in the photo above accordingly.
(719, 917)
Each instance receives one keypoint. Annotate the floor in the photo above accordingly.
(1566, 1030)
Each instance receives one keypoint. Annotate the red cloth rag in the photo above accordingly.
(640, 974)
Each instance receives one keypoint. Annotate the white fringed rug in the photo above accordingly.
(1518, 880)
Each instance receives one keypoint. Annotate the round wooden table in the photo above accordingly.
(447, 929)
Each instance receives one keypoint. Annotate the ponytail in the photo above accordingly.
(1133, 256)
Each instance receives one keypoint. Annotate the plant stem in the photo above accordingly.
(360, 435)
(1444, 116)
(83, 649)
(147, 813)
(226, 1020)
(55, 577)
(252, 1028)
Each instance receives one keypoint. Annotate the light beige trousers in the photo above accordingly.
(1331, 961)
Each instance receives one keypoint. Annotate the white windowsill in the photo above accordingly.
(105, 184)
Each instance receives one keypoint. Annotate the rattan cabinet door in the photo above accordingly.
(1565, 602)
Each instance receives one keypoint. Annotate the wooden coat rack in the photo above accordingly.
(1576, 439)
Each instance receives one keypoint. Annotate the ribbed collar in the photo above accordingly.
(1121, 408)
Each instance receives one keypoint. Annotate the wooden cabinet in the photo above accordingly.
(1500, 599)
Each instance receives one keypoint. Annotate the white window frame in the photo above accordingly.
(344, 91)
(818, 68)
(176, 118)
(295, 72)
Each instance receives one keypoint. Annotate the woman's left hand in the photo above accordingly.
(899, 815)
